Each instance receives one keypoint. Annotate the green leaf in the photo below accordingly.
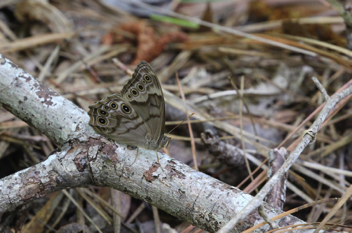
(180, 22)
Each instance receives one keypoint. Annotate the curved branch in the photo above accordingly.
(41, 107)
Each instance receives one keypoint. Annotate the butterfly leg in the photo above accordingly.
(157, 156)
(136, 156)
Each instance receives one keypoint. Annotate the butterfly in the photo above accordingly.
(136, 116)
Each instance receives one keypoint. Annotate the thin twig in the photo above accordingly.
(258, 199)
(321, 88)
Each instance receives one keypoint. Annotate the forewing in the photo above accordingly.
(144, 93)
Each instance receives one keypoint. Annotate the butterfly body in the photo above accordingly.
(136, 116)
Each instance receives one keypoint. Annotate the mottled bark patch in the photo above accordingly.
(33, 186)
(148, 175)
(81, 161)
(30, 190)
(46, 95)
(109, 150)
(25, 77)
(30, 176)
(173, 172)
(82, 158)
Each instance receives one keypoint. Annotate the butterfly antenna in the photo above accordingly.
(181, 123)
(122, 66)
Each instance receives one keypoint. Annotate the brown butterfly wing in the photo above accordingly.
(143, 91)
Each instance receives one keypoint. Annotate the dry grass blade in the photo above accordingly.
(34, 41)
(81, 209)
(96, 207)
(338, 59)
(321, 44)
(278, 23)
(92, 59)
(291, 212)
(333, 211)
(41, 219)
(194, 155)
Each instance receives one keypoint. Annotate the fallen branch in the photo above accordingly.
(87, 159)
